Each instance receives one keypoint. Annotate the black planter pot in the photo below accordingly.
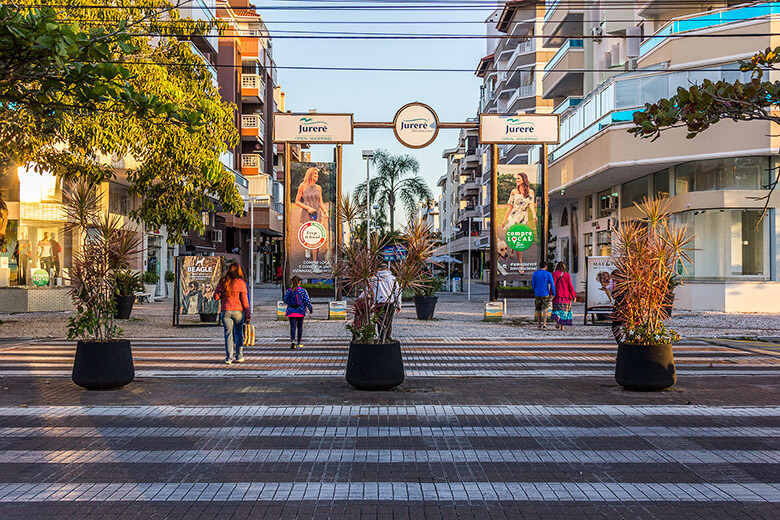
(103, 365)
(208, 318)
(646, 368)
(425, 305)
(124, 306)
(375, 367)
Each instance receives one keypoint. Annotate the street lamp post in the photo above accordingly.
(368, 155)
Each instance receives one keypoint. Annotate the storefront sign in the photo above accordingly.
(312, 220)
(198, 278)
(526, 128)
(416, 125)
(518, 221)
(600, 283)
(313, 128)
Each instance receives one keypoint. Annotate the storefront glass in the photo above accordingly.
(604, 242)
(587, 241)
(728, 244)
(740, 173)
(633, 192)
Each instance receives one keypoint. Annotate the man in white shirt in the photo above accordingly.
(388, 300)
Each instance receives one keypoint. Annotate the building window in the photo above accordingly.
(588, 208)
(587, 242)
(604, 242)
(565, 217)
(633, 192)
(608, 203)
(735, 173)
(728, 244)
(661, 184)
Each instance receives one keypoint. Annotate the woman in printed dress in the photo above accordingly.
(309, 199)
(520, 201)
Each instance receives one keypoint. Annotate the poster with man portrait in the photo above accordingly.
(311, 223)
(600, 282)
(518, 221)
(198, 278)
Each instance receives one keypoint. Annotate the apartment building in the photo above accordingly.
(428, 212)
(638, 54)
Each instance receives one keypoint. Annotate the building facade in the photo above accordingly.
(715, 182)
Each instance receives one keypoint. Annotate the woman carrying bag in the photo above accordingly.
(297, 300)
(564, 296)
(231, 291)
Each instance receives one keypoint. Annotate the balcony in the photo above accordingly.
(562, 20)
(525, 93)
(712, 21)
(252, 126)
(467, 212)
(202, 11)
(251, 164)
(252, 88)
(563, 74)
(468, 188)
(211, 69)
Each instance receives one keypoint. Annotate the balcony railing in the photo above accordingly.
(570, 44)
(253, 122)
(251, 83)
(708, 20)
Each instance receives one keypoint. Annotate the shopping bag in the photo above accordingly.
(249, 335)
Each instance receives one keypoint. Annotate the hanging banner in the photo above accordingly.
(525, 128)
(313, 128)
(519, 221)
(599, 283)
(416, 125)
(312, 221)
(198, 277)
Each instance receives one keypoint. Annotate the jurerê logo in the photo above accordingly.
(419, 124)
(518, 126)
(308, 125)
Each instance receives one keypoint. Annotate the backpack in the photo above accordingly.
(295, 298)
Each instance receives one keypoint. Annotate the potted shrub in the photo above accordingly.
(126, 283)
(150, 283)
(375, 361)
(645, 254)
(425, 297)
(102, 359)
(170, 283)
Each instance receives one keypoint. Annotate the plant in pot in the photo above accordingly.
(106, 246)
(150, 283)
(170, 282)
(126, 283)
(646, 252)
(425, 297)
(375, 361)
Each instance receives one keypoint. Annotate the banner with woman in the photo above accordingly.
(518, 220)
(312, 220)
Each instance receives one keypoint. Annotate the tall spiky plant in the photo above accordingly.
(645, 254)
(107, 247)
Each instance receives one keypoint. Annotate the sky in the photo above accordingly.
(376, 96)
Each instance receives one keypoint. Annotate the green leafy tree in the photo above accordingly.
(81, 87)
(698, 107)
(396, 180)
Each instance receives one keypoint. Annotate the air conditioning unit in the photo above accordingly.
(632, 64)
(215, 235)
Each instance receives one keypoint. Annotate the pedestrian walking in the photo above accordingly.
(278, 276)
(544, 289)
(564, 296)
(232, 291)
(387, 295)
(298, 302)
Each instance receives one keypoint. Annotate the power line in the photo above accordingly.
(379, 36)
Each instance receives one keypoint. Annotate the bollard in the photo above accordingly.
(337, 310)
(281, 310)
(494, 311)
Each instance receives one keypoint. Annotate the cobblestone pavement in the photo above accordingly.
(489, 428)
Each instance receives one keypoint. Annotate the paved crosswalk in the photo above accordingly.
(482, 429)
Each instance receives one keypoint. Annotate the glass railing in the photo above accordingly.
(549, 8)
(708, 20)
(570, 44)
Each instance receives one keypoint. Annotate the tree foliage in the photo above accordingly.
(81, 88)
(396, 180)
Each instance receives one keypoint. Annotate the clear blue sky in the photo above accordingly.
(376, 96)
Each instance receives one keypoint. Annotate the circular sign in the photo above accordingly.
(519, 237)
(416, 125)
(312, 235)
(40, 277)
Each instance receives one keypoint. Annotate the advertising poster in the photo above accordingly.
(600, 282)
(518, 219)
(311, 224)
(198, 277)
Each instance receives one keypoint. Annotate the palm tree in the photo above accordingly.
(396, 180)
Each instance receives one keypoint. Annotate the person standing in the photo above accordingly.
(231, 291)
(297, 300)
(388, 300)
(564, 296)
(278, 276)
(544, 288)
(56, 249)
